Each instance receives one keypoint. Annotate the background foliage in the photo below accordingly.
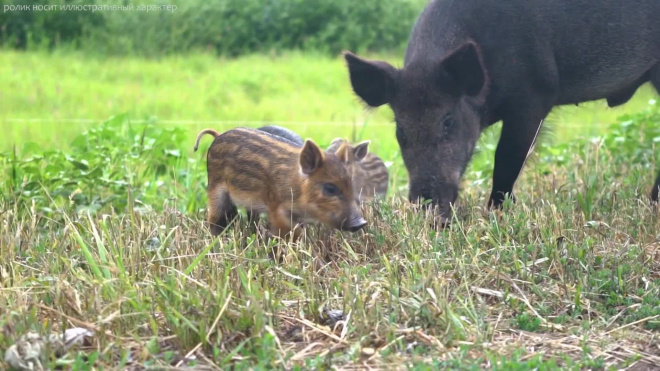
(227, 27)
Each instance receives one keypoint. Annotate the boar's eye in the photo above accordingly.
(448, 122)
(331, 190)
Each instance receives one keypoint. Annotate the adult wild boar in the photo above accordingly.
(472, 63)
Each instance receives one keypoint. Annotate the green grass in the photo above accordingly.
(102, 226)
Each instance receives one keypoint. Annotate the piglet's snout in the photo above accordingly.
(354, 223)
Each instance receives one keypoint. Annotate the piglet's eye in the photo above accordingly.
(448, 122)
(331, 190)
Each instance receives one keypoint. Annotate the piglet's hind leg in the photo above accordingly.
(221, 210)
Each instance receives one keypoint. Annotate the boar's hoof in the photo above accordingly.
(496, 200)
(441, 221)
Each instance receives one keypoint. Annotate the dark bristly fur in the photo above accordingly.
(292, 184)
(283, 134)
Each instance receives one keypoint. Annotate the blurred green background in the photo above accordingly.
(243, 61)
(219, 64)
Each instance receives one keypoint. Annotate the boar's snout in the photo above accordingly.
(441, 195)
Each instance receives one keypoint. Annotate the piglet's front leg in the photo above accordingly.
(280, 227)
(280, 223)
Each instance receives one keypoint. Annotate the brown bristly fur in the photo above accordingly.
(370, 175)
(255, 170)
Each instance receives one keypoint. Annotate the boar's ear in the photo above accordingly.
(465, 69)
(311, 157)
(372, 81)
(361, 150)
(334, 146)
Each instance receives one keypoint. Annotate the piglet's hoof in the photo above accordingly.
(276, 255)
(277, 250)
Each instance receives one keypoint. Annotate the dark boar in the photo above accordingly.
(472, 63)
(370, 176)
(262, 173)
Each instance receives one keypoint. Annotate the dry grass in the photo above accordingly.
(537, 285)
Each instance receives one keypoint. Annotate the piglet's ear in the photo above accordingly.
(361, 150)
(311, 157)
(344, 153)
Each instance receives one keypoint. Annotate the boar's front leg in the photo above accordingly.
(519, 129)
(221, 210)
(655, 80)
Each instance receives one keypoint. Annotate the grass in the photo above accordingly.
(102, 227)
